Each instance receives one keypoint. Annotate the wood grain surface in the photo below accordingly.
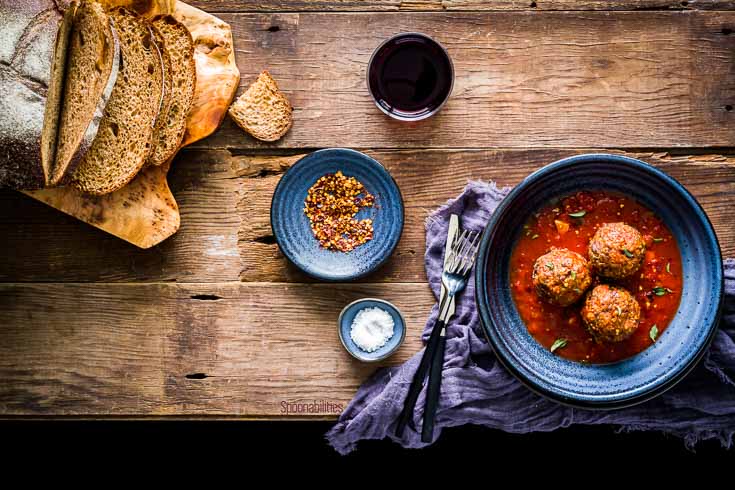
(214, 323)
(185, 349)
(454, 5)
(225, 228)
(523, 80)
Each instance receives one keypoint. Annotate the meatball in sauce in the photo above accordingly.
(616, 250)
(561, 276)
(610, 313)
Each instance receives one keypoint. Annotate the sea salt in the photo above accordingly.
(372, 328)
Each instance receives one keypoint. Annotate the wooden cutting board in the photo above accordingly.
(144, 212)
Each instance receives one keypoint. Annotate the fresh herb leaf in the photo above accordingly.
(578, 214)
(574, 275)
(653, 333)
(628, 253)
(660, 290)
(658, 240)
(550, 265)
(558, 344)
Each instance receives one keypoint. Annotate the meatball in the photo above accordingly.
(616, 250)
(561, 276)
(610, 313)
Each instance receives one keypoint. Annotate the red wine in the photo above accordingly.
(410, 76)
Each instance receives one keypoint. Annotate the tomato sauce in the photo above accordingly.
(657, 285)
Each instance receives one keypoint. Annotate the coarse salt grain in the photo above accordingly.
(372, 328)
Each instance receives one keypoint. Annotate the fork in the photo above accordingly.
(454, 278)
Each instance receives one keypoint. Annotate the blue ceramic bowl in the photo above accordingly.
(674, 353)
(345, 326)
(291, 226)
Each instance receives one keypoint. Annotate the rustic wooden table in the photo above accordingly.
(214, 323)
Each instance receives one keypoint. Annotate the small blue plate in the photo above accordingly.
(345, 326)
(293, 232)
(674, 353)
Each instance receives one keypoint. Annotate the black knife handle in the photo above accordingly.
(432, 392)
(418, 379)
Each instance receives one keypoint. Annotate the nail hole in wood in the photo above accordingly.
(726, 31)
(196, 376)
(533, 5)
(684, 4)
(274, 29)
(206, 297)
(728, 107)
(266, 239)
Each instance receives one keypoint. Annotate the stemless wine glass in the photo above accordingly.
(410, 76)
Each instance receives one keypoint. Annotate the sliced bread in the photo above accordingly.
(171, 125)
(92, 68)
(263, 110)
(54, 96)
(124, 140)
(159, 43)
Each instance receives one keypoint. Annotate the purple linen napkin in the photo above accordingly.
(476, 389)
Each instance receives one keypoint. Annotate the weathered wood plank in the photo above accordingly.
(127, 349)
(452, 5)
(225, 233)
(562, 79)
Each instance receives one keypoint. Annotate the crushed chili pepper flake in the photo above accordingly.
(331, 205)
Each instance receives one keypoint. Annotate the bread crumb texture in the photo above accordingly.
(123, 142)
(263, 110)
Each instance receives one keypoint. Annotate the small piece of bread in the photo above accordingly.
(171, 124)
(123, 142)
(263, 110)
(92, 67)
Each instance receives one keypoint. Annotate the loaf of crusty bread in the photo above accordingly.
(124, 140)
(263, 110)
(92, 66)
(171, 125)
(29, 74)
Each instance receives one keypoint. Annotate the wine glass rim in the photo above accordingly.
(451, 78)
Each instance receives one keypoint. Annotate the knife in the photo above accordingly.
(417, 383)
(451, 236)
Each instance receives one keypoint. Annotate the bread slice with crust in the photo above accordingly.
(179, 47)
(124, 140)
(159, 43)
(55, 94)
(263, 110)
(92, 68)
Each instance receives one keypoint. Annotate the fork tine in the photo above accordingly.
(455, 251)
(465, 244)
(463, 250)
(463, 257)
(459, 250)
(469, 257)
